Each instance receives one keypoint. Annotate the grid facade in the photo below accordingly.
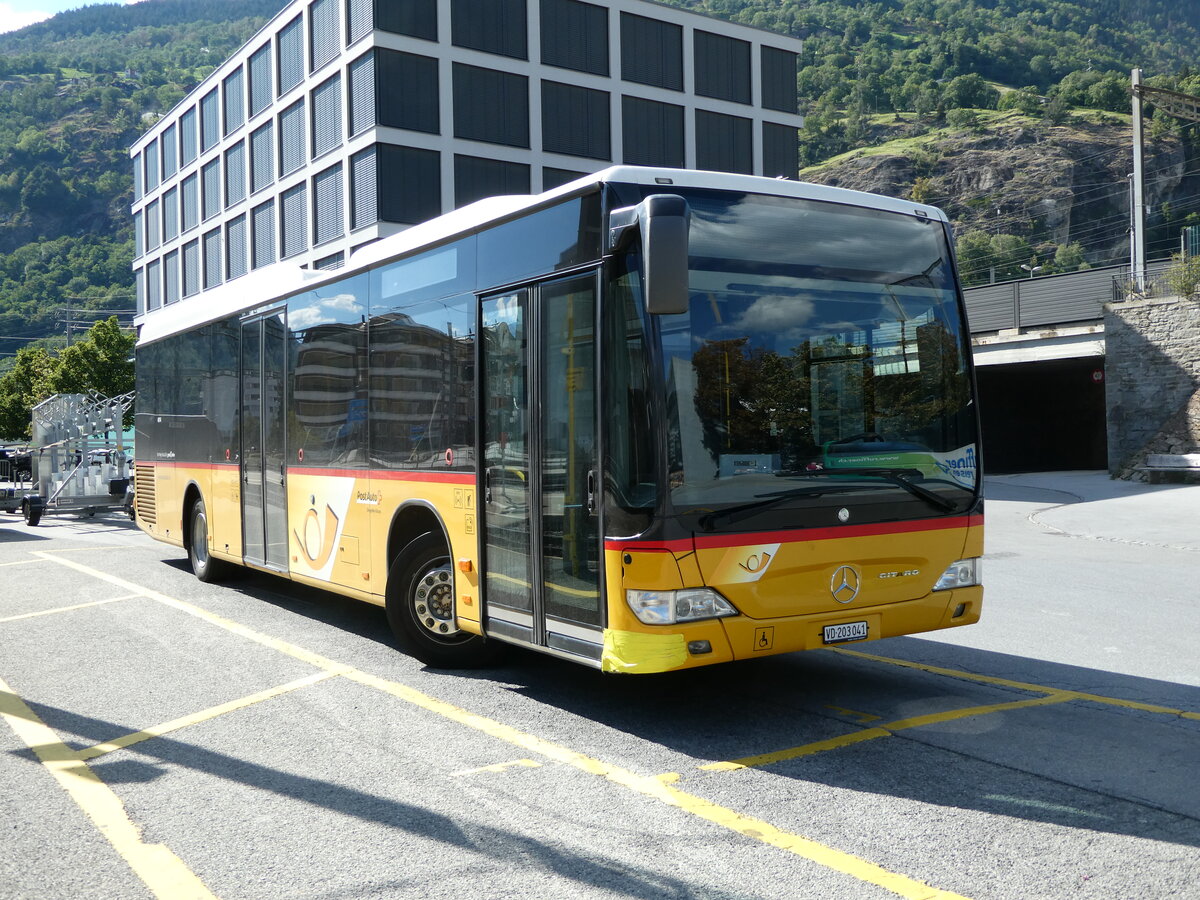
(300, 147)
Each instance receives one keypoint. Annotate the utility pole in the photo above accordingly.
(1173, 103)
(1137, 210)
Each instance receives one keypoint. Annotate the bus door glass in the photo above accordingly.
(540, 526)
(264, 424)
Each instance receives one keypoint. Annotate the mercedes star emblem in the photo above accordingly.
(844, 584)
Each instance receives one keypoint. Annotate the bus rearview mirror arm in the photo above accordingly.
(661, 221)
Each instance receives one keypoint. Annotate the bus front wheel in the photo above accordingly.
(204, 566)
(420, 609)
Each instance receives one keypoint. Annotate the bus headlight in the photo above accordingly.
(669, 607)
(964, 573)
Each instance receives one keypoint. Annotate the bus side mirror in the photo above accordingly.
(662, 222)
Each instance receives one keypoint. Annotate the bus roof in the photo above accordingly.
(276, 282)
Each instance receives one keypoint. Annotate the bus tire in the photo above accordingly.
(204, 566)
(420, 609)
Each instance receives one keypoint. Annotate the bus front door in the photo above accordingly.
(540, 526)
(264, 426)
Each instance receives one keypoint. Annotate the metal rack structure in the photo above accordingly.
(79, 460)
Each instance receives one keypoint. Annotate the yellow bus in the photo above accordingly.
(649, 420)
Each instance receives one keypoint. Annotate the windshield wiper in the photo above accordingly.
(899, 477)
(732, 513)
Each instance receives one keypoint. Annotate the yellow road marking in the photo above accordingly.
(499, 767)
(885, 730)
(649, 786)
(63, 609)
(164, 873)
(213, 712)
(22, 562)
(1020, 685)
(861, 716)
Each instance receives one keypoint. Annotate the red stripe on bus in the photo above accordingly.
(716, 542)
(172, 464)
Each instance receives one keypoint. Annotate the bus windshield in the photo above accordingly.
(823, 355)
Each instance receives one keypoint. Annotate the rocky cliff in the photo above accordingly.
(1052, 184)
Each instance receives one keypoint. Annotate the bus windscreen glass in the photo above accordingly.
(823, 355)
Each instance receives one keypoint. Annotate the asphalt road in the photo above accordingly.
(255, 739)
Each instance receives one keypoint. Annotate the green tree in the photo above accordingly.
(101, 362)
(24, 386)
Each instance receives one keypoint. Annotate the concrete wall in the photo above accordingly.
(1152, 379)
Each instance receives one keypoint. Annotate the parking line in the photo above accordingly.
(649, 786)
(879, 731)
(498, 767)
(164, 873)
(204, 715)
(1019, 685)
(63, 609)
(21, 562)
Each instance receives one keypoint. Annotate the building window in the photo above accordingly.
(262, 157)
(139, 238)
(414, 110)
(780, 150)
(327, 116)
(262, 235)
(328, 205)
(364, 189)
(724, 143)
(476, 178)
(212, 258)
(210, 121)
(235, 247)
(151, 158)
(170, 212)
(575, 36)
(653, 133)
(651, 52)
(291, 138)
(189, 190)
(361, 92)
(575, 121)
(358, 19)
(154, 285)
(210, 185)
(139, 177)
(260, 80)
(152, 223)
(191, 268)
(323, 32)
(552, 178)
(779, 79)
(410, 183)
(187, 137)
(235, 174)
(491, 106)
(289, 53)
(293, 221)
(170, 152)
(171, 278)
(233, 89)
(493, 26)
(722, 67)
(415, 18)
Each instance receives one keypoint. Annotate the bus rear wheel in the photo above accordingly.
(204, 566)
(420, 609)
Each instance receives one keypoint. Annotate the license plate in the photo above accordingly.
(848, 631)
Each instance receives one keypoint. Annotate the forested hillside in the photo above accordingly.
(75, 92)
(919, 90)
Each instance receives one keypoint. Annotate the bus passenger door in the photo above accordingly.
(540, 528)
(264, 426)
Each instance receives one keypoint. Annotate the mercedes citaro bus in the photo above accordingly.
(649, 420)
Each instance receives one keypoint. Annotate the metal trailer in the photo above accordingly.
(79, 460)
